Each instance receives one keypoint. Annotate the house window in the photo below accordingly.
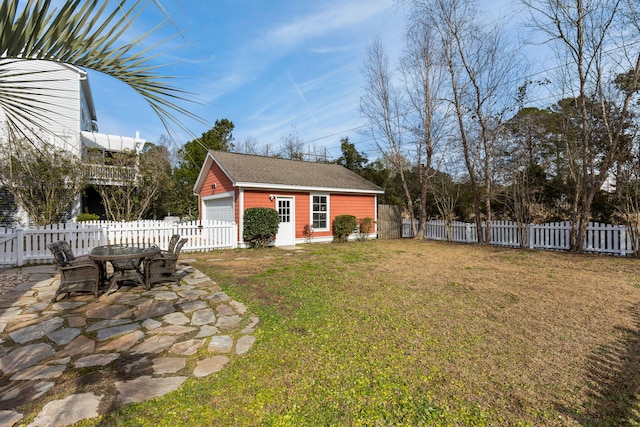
(320, 212)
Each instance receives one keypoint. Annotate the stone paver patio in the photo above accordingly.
(136, 344)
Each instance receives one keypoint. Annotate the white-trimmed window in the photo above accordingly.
(320, 211)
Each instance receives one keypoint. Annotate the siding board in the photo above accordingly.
(58, 87)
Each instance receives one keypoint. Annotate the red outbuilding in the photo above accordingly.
(304, 194)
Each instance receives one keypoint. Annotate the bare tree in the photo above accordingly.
(424, 74)
(628, 194)
(446, 193)
(250, 146)
(130, 198)
(292, 147)
(627, 176)
(42, 180)
(594, 39)
(480, 66)
(383, 105)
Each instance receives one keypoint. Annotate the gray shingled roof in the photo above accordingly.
(246, 168)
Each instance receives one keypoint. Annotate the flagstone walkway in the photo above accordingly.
(84, 356)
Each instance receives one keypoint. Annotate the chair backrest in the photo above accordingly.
(68, 252)
(173, 242)
(179, 246)
(58, 254)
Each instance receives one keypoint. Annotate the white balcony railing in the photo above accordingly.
(109, 175)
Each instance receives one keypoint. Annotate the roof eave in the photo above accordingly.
(266, 186)
(204, 170)
(84, 81)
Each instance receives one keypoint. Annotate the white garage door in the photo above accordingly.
(219, 209)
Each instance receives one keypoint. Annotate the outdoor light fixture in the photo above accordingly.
(272, 197)
(213, 186)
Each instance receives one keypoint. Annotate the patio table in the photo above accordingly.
(126, 260)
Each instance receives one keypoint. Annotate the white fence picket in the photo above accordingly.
(600, 238)
(21, 246)
(7, 246)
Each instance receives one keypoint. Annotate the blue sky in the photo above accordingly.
(268, 66)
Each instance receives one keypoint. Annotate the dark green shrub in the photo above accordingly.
(260, 226)
(366, 227)
(87, 217)
(343, 226)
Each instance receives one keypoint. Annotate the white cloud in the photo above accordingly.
(337, 16)
(330, 49)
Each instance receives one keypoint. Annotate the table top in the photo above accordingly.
(123, 251)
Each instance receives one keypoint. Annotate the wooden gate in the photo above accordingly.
(389, 222)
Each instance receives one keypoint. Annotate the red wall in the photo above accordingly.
(358, 205)
(216, 176)
(223, 185)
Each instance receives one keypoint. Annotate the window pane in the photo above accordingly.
(319, 220)
(284, 209)
(319, 208)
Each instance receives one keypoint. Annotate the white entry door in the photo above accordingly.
(287, 227)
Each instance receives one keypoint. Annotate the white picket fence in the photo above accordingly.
(600, 238)
(29, 245)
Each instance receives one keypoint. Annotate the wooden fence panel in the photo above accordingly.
(389, 222)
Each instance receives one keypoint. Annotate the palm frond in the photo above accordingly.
(87, 34)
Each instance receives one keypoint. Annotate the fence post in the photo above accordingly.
(20, 246)
(104, 235)
(530, 236)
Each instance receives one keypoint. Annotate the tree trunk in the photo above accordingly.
(424, 187)
(407, 195)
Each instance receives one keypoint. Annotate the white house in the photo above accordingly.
(62, 104)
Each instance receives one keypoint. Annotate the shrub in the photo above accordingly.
(366, 227)
(343, 225)
(87, 217)
(260, 226)
(308, 232)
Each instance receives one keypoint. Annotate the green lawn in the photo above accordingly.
(392, 333)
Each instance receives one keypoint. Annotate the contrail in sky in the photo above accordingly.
(304, 100)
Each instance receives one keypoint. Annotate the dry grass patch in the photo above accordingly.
(531, 333)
